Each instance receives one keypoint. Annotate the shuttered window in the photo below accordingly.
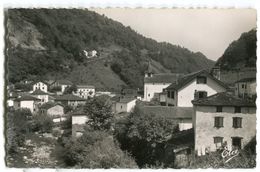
(237, 122)
(218, 122)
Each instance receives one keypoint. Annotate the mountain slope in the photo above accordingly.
(49, 43)
(240, 53)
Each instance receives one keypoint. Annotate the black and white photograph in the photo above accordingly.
(130, 88)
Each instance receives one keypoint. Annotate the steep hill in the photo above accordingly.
(49, 44)
(240, 53)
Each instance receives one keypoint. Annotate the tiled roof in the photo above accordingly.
(190, 77)
(68, 97)
(85, 86)
(39, 92)
(49, 105)
(171, 112)
(27, 98)
(126, 99)
(163, 78)
(247, 80)
(223, 99)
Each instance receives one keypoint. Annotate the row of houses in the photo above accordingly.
(200, 101)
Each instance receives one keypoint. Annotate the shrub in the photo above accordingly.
(42, 123)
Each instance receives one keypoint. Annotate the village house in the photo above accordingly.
(40, 85)
(155, 83)
(43, 96)
(189, 87)
(125, 104)
(223, 119)
(79, 119)
(62, 84)
(70, 100)
(182, 115)
(28, 102)
(85, 91)
(56, 111)
(245, 88)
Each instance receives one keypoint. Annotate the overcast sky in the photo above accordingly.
(209, 31)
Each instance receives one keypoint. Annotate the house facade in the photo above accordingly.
(125, 105)
(189, 87)
(246, 88)
(43, 96)
(223, 119)
(70, 100)
(43, 86)
(85, 91)
(28, 102)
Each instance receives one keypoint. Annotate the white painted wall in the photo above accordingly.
(205, 131)
(85, 92)
(185, 124)
(79, 119)
(186, 94)
(125, 107)
(151, 88)
(41, 86)
(44, 98)
(30, 104)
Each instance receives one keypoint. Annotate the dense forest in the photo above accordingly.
(50, 42)
(240, 53)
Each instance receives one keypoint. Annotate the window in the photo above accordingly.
(242, 85)
(237, 122)
(148, 95)
(219, 109)
(237, 109)
(219, 122)
(172, 94)
(236, 142)
(201, 80)
(218, 141)
(121, 106)
(200, 94)
(169, 94)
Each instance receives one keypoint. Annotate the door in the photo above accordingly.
(236, 142)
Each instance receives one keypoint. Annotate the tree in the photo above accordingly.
(99, 111)
(96, 149)
(42, 123)
(71, 89)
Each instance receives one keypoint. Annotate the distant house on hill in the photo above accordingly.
(182, 115)
(246, 88)
(62, 83)
(70, 100)
(192, 86)
(223, 119)
(27, 101)
(85, 91)
(43, 96)
(40, 85)
(125, 104)
(155, 83)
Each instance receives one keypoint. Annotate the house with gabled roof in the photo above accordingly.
(28, 102)
(85, 91)
(125, 104)
(40, 85)
(155, 83)
(223, 119)
(246, 88)
(192, 86)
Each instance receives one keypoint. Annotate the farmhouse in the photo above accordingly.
(189, 87)
(182, 115)
(27, 101)
(246, 88)
(63, 84)
(70, 100)
(125, 104)
(223, 119)
(40, 85)
(155, 83)
(85, 91)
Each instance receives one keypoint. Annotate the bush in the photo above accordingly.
(42, 123)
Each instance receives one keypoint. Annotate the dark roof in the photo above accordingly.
(190, 77)
(247, 80)
(163, 78)
(68, 97)
(27, 98)
(85, 86)
(41, 81)
(63, 82)
(223, 99)
(50, 105)
(126, 99)
(39, 92)
(171, 112)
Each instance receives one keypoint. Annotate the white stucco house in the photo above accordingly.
(223, 119)
(85, 91)
(28, 102)
(155, 83)
(125, 104)
(246, 87)
(43, 96)
(192, 86)
(40, 85)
